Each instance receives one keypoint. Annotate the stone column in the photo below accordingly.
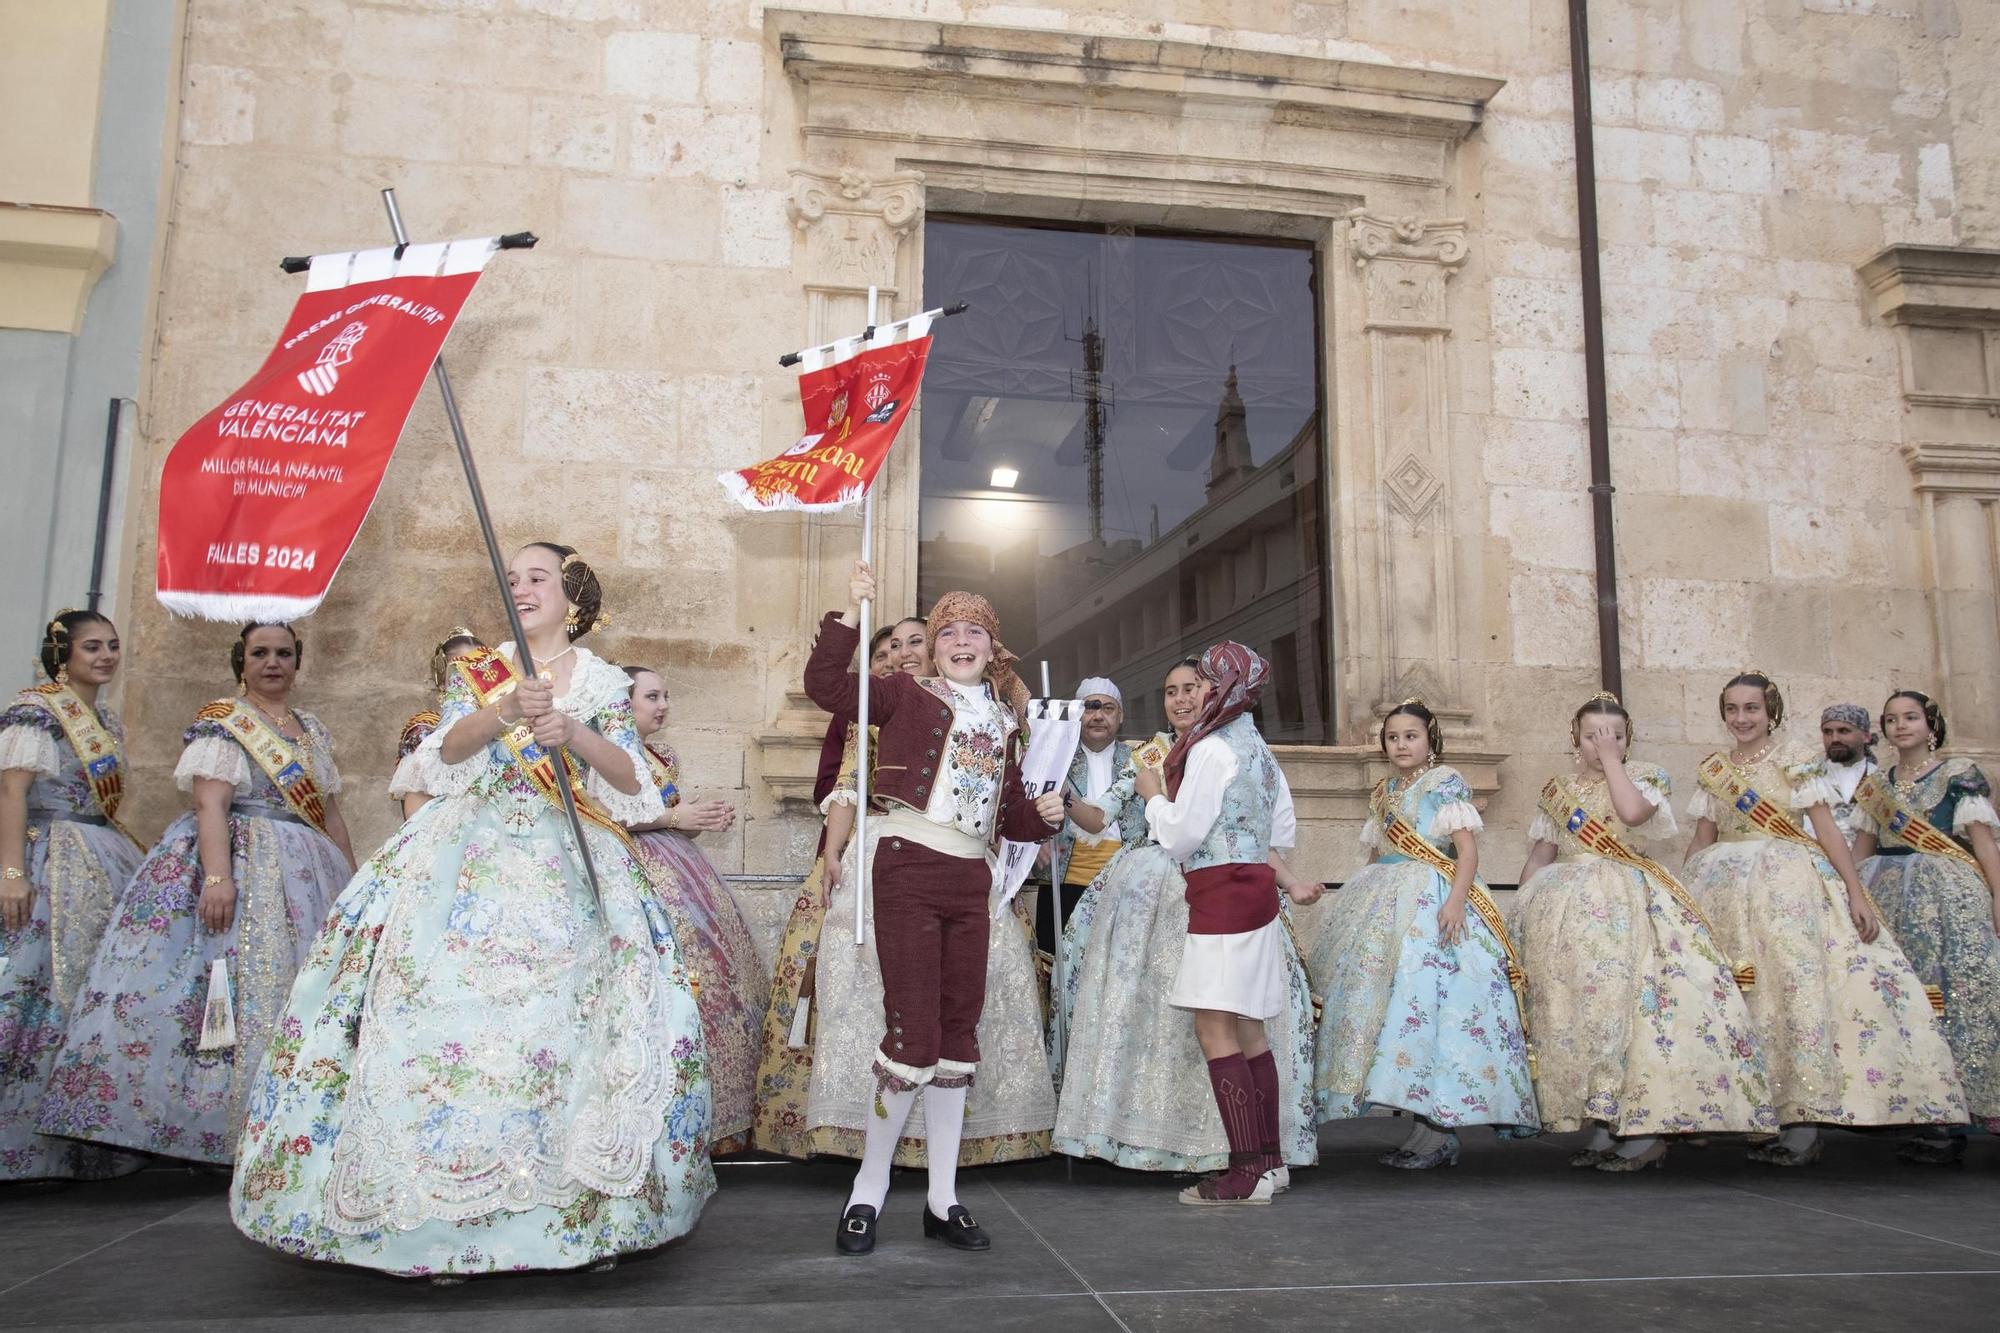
(1404, 264)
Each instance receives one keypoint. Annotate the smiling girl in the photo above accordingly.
(1925, 837)
(1419, 1013)
(1848, 1036)
(486, 1064)
(63, 859)
(244, 879)
(949, 786)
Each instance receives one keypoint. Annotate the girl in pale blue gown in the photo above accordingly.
(485, 1066)
(1419, 1015)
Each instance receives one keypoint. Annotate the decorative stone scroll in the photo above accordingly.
(1405, 264)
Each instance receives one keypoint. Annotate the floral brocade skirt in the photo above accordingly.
(75, 871)
(1848, 1035)
(1135, 1086)
(730, 987)
(1408, 1022)
(1011, 1106)
(1636, 1017)
(1941, 913)
(483, 1065)
(130, 1073)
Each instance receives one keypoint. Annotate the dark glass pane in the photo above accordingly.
(1122, 450)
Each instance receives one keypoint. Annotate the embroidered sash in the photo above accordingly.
(282, 761)
(491, 677)
(1720, 778)
(1153, 754)
(665, 772)
(1596, 837)
(1405, 839)
(1887, 809)
(420, 725)
(95, 749)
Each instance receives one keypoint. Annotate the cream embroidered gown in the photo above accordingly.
(1848, 1036)
(1637, 1021)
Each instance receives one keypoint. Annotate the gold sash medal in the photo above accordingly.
(1895, 817)
(282, 762)
(95, 749)
(1597, 838)
(491, 677)
(665, 770)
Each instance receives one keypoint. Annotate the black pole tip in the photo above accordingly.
(790, 359)
(295, 263)
(956, 308)
(519, 240)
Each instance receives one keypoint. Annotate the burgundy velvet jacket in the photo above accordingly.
(831, 750)
(914, 724)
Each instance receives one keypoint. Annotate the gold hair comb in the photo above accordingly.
(1604, 696)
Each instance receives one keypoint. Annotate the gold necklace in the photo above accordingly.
(1757, 758)
(1907, 788)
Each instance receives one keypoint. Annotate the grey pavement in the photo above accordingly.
(1512, 1238)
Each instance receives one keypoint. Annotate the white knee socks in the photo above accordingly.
(1798, 1138)
(944, 1127)
(1637, 1147)
(1424, 1138)
(871, 1182)
(1600, 1139)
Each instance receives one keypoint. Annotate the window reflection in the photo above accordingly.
(1122, 451)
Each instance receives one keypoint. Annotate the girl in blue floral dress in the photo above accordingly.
(1413, 967)
(485, 1065)
(63, 859)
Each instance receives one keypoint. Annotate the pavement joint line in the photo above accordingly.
(1865, 1221)
(1082, 1281)
(115, 1240)
(1554, 1281)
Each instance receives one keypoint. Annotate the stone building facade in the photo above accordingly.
(1802, 333)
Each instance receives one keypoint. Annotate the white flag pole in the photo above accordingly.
(1060, 976)
(861, 764)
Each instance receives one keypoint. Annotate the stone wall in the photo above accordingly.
(1751, 155)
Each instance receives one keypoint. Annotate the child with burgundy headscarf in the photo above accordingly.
(948, 783)
(1221, 810)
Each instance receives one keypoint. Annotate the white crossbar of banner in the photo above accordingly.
(440, 259)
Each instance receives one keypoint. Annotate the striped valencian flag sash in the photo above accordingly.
(282, 761)
(95, 747)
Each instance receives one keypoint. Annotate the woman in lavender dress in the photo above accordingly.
(245, 878)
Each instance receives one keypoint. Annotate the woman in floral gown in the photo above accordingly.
(730, 987)
(63, 859)
(1640, 1030)
(1413, 966)
(1848, 1036)
(246, 879)
(485, 1065)
(1926, 840)
(1135, 1088)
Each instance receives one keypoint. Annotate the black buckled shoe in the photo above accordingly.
(956, 1229)
(857, 1230)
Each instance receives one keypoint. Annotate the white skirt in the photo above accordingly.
(1240, 974)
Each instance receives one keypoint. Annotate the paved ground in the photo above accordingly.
(1512, 1239)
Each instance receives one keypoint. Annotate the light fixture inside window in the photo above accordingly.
(1004, 478)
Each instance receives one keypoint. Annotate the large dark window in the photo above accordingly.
(1122, 450)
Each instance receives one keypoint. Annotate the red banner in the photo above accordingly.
(853, 409)
(262, 498)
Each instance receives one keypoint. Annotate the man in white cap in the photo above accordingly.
(1077, 857)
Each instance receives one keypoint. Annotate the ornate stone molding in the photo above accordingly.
(1935, 284)
(915, 53)
(854, 229)
(1405, 263)
(50, 258)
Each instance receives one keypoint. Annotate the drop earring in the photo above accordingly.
(62, 674)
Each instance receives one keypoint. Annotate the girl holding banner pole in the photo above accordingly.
(1848, 1036)
(188, 985)
(950, 790)
(484, 1065)
(63, 858)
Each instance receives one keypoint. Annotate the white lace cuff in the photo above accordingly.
(1701, 805)
(839, 796)
(1371, 834)
(1662, 825)
(1974, 810)
(1816, 790)
(642, 807)
(408, 779)
(433, 775)
(1457, 817)
(1543, 829)
(212, 757)
(1863, 822)
(30, 748)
